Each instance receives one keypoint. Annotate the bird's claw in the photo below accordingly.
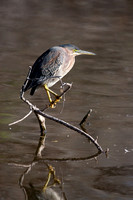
(53, 103)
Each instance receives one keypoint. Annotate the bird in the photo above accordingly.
(51, 67)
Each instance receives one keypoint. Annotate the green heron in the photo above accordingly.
(51, 67)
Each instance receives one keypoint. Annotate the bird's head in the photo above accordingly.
(74, 50)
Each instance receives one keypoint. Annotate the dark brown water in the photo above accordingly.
(103, 83)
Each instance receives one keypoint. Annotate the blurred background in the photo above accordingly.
(103, 83)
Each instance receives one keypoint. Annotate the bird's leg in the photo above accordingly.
(52, 103)
(54, 179)
(48, 93)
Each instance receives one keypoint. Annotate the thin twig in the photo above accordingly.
(22, 90)
(26, 101)
(85, 117)
(20, 119)
(27, 79)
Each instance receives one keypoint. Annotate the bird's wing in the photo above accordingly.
(44, 68)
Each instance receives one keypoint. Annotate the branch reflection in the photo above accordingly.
(52, 187)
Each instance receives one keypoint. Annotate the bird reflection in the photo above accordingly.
(51, 190)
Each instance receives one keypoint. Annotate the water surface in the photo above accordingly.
(102, 83)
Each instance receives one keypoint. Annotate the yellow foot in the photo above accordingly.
(53, 103)
(52, 171)
(57, 181)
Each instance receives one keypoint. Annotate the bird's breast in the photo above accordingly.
(68, 64)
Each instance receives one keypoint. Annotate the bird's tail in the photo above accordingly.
(32, 90)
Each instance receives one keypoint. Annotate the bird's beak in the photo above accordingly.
(82, 52)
